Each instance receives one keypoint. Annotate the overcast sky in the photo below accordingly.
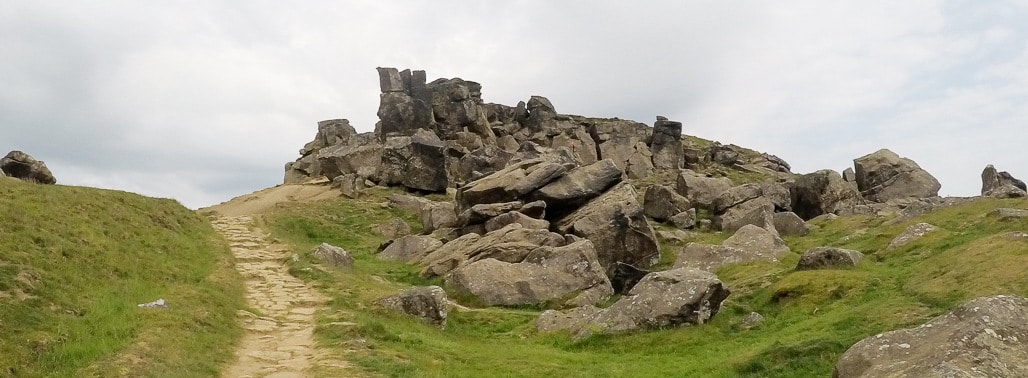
(205, 100)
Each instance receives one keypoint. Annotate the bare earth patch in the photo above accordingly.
(264, 200)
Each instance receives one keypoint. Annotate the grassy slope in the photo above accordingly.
(74, 262)
(812, 316)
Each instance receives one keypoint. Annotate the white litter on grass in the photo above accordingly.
(159, 303)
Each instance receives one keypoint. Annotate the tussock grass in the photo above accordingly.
(75, 262)
(811, 316)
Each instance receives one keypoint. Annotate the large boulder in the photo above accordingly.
(510, 244)
(428, 304)
(823, 192)
(410, 249)
(546, 274)
(699, 189)
(749, 243)
(883, 175)
(20, 165)
(624, 142)
(758, 241)
(332, 133)
(667, 144)
(661, 299)
(829, 258)
(577, 186)
(985, 337)
(616, 225)
(758, 212)
(333, 256)
(790, 224)
(661, 203)
(911, 234)
(511, 183)
(416, 162)
(1001, 184)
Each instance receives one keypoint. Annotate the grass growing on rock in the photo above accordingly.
(811, 316)
(74, 264)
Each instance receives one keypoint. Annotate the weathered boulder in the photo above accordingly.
(333, 256)
(350, 184)
(332, 133)
(502, 220)
(577, 187)
(721, 154)
(985, 337)
(790, 224)
(829, 258)
(736, 195)
(625, 276)
(758, 241)
(392, 229)
(709, 257)
(883, 175)
(1009, 214)
(416, 162)
(436, 215)
(684, 220)
(484, 211)
(410, 249)
(624, 142)
(661, 203)
(20, 165)
(661, 299)
(701, 190)
(510, 244)
(510, 183)
(546, 274)
(1001, 184)
(822, 192)
(910, 234)
(667, 144)
(758, 212)
(616, 225)
(427, 303)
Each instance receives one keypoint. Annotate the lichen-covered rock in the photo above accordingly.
(20, 165)
(790, 224)
(749, 243)
(661, 299)
(333, 256)
(758, 241)
(546, 274)
(883, 175)
(511, 244)
(701, 190)
(616, 225)
(661, 203)
(829, 258)
(758, 212)
(910, 234)
(410, 249)
(985, 337)
(427, 303)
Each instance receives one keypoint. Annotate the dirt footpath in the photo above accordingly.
(279, 340)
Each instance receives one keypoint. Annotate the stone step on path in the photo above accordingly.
(279, 341)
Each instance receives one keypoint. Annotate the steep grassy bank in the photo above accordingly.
(75, 262)
(811, 316)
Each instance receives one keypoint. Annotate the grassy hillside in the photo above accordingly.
(812, 316)
(75, 262)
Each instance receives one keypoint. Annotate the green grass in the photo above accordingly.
(811, 316)
(75, 262)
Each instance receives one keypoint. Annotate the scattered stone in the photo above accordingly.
(1008, 214)
(159, 303)
(708, 257)
(985, 337)
(829, 258)
(349, 184)
(20, 165)
(426, 303)
(752, 320)
(661, 299)
(883, 175)
(759, 242)
(684, 220)
(578, 186)
(790, 224)
(393, 229)
(677, 236)
(333, 256)
(437, 215)
(912, 233)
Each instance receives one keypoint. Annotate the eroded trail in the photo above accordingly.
(279, 340)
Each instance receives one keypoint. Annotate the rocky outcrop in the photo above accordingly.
(545, 274)
(829, 258)
(1001, 184)
(823, 192)
(510, 244)
(624, 142)
(427, 303)
(985, 337)
(883, 175)
(661, 299)
(616, 225)
(20, 165)
(666, 144)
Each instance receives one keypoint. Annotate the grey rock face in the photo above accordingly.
(578, 186)
(20, 165)
(758, 212)
(511, 244)
(684, 220)
(985, 337)
(427, 303)
(829, 258)
(790, 224)
(667, 145)
(883, 175)
(661, 299)
(410, 249)
(699, 189)
(708, 257)
(416, 162)
(823, 192)
(1001, 184)
(616, 225)
(624, 142)
(661, 203)
(333, 256)
(546, 274)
